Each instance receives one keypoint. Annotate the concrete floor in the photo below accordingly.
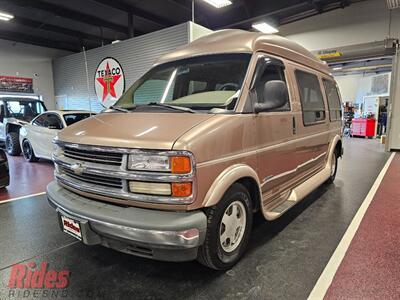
(284, 259)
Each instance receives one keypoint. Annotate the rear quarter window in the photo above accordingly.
(334, 103)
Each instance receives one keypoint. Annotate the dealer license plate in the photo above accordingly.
(71, 227)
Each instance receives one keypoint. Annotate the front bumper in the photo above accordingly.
(162, 235)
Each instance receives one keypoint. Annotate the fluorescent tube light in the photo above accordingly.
(265, 28)
(337, 68)
(218, 3)
(5, 17)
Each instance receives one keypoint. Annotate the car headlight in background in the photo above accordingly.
(180, 164)
(3, 156)
(56, 147)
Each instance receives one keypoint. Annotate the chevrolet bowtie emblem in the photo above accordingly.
(78, 169)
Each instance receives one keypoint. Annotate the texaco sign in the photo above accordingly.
(109, 81)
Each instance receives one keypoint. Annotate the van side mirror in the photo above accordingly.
(275, 95)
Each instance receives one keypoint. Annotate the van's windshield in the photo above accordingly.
(200, 83)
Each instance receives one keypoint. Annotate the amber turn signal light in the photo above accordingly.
(181, 189)
(180, 165)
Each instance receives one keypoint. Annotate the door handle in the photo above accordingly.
(294, 125)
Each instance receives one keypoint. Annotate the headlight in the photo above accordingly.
(56, 148)
(180, 164)
(148, 162)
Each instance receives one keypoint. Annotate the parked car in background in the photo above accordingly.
(15, 112)
(4, 170)
(37, 136)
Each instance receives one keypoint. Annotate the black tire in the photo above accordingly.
(211, 253)
(332, 177)
(28, 153)
(12, 144)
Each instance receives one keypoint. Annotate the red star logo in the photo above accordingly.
(108, 82)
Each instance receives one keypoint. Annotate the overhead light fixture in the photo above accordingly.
(337, 68)
(264, 27)
(5, 17)
(218, 3)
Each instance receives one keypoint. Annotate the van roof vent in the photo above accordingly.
(392, 4)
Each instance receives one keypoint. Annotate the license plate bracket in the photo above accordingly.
(71, 226)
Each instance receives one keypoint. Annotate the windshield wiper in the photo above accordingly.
(174, 107)
(121, 109)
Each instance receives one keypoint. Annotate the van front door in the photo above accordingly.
(276, 134)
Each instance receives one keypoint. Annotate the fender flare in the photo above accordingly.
(332, 147)
(224, 181)
(12, 123)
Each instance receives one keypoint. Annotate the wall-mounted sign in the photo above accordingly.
(109, 81)
(326, 54)
(16, 84)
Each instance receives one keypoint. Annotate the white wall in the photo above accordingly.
(353, 88)
(23, 60)
(359, 23)
(197, 31)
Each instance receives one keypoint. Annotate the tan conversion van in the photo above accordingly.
(234, 123)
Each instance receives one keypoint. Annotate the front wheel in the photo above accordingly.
(28, 152)
(12, 144)
(228, 230)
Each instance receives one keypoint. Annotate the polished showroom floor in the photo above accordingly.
(284, 260)
(27, 178)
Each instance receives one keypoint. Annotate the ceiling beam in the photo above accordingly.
(38, 41)
(136, 12)
(58, 29)
(263, 16)
(69, 14)
(318, 5)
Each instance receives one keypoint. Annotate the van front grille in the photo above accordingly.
(107, 158)
(94, 179)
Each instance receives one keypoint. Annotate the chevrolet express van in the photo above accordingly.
(232, 124)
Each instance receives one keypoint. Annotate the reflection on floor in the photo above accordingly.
(27, 178)
(284, 260)
(370, 268)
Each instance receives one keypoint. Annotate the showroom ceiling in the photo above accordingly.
(70, 25)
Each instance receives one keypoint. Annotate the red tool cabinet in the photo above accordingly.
(363, 127)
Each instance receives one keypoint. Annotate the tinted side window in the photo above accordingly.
(39, 121)
(73, 118)
(271, 72)
(312, 102)
(54, 122)
(334, 103)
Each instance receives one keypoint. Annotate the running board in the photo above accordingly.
(298, 194)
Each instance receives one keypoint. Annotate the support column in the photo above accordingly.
(393, 142)
(131, 31)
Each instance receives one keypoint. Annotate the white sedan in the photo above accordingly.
(36, 137)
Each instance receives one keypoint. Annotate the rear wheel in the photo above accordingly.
(28, 152)
(228, 230)
(12, 144)
(334, 164)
